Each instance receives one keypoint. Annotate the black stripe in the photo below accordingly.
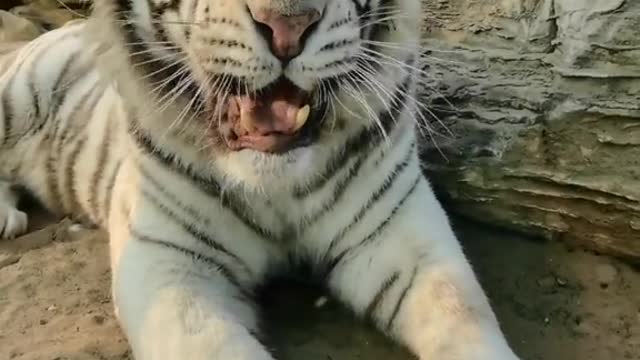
(208, 185)
(157, 11)
(36, 126)
(361, 9)
(34, 92)
(363, 13)
(376, 28)
(337, 45)
(70, 132)
(339, 23)
(51, 165)
(38, 120)
(66, 126)
(380, 295)
(242, 212)
(70, 174)
(101, 163)
(8, 111)
(191, 230)
(376, 31)
(108, 193)
(53, 188)
(338, 192)
(62, 85)
(158, 70)
(59, 93)
(231, 44)
(170, 160)
(170, 196)
(379, 28)
(403, 295)
(35, 64)
(172, 5)
(192, 12)
(365, 140)
(373, 200)
(195, 256)
(78, 135)
(331, 265)
(343, 185)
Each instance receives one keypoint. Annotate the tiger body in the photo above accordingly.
(99, 123)
(55, 107)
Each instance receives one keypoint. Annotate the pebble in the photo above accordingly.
(98, 319)
(606, 274)
(549, 282)
(561, 282)
(76, 227)
(321, 301)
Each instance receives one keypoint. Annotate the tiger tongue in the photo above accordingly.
(280, 110)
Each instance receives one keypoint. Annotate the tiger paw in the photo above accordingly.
(13, 222)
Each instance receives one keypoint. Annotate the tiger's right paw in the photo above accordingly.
(13, 222)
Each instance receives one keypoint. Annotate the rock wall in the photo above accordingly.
(542, 102)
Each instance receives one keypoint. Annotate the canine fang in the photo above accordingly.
(302, 117)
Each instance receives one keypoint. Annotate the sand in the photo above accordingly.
(553, 302)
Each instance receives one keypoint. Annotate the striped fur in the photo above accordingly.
(105, 121)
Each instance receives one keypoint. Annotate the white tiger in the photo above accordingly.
(222, 141)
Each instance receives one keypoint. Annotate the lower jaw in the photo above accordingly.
(266, 145)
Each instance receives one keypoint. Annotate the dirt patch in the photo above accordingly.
(554, 303)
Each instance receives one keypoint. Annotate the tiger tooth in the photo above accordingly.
(302, 117)
(245, 120)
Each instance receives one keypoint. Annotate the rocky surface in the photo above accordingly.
(542, 98)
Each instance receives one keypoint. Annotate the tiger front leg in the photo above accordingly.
(406, 273)
(175, 304)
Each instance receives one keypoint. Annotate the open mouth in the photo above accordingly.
(275, 119)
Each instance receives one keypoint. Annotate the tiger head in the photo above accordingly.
(266, 88)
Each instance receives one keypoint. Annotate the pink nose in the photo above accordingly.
(285, 33)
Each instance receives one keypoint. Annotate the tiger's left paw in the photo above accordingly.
(13, 222)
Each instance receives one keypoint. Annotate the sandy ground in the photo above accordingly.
(554, 303)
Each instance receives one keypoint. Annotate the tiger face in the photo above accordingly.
(269, 86)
